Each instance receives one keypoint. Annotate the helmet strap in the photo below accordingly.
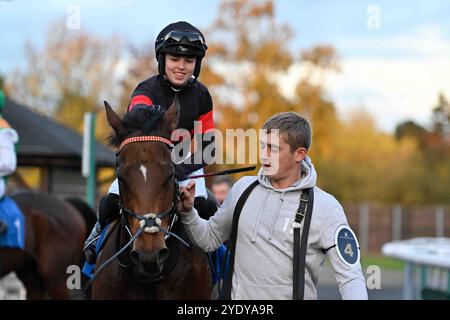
(162, 64)
(198, 65)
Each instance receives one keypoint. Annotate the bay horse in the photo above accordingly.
(54, 234)
(144, 255)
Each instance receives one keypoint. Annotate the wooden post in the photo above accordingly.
(364, 211)
(397, 222)
(440, 222)
(88, 167)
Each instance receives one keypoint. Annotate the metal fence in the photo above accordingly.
(377, 224)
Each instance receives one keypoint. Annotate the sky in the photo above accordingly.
(394, 55)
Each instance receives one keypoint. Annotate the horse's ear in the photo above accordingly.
(113, 119)
(169, 121)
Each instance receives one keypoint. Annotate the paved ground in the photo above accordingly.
(391, 285)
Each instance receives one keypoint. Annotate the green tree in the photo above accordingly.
(441, 116)
(410, 129)
(429, 182)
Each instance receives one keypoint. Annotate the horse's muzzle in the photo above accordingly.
(150, 263)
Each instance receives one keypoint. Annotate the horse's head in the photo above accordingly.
(146, 179)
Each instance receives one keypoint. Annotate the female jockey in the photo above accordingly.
(180, 48)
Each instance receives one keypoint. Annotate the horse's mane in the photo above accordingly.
(141, 118)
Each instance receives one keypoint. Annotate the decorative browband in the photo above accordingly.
(145, 139)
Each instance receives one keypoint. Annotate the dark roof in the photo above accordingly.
(40, 136)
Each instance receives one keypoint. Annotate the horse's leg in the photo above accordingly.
(58, 253)
(109, 285)
(191, 279)
(35, 289)
(53, 269)
(31, 280)
(198, 283)
(57, 289)
(11, 259)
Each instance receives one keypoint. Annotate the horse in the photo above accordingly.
(54, 234)
(144, 255)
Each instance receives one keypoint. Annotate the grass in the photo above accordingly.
(382, 262)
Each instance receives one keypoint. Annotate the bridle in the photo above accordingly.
(150, 222)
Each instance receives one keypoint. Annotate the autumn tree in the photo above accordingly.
(430, 180)
(250, 45)
(248, 55)
(140, 65)
(366, 164)
(245, 69)
(249, 52)
(70, 75)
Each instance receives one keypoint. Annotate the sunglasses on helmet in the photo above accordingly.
(176, 36)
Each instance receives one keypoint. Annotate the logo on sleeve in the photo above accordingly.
(347, 245)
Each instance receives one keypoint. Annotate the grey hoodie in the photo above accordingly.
(264, 247)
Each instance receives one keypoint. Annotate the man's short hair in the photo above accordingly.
(222, 179)
(296, 129)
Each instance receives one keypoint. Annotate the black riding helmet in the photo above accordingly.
(180, 38)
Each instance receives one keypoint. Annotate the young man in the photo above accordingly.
(180, 48)
(8, 157)
(264, 250)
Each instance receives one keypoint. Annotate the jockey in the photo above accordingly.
(180, 48)
(8, 157)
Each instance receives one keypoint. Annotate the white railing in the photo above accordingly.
(427, 266)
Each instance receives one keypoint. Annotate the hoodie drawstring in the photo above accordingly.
(258, 219)
(280, 203)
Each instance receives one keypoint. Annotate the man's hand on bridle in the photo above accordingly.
(187, 197)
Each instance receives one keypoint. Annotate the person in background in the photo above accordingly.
(220, 187)
(8, 156)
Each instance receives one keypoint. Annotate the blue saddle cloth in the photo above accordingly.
(88, 268)
(218, 265)
(11, 214)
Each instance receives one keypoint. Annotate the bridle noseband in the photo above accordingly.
(151, 222)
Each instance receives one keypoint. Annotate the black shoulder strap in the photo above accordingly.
(233, 237)
(299, 259)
